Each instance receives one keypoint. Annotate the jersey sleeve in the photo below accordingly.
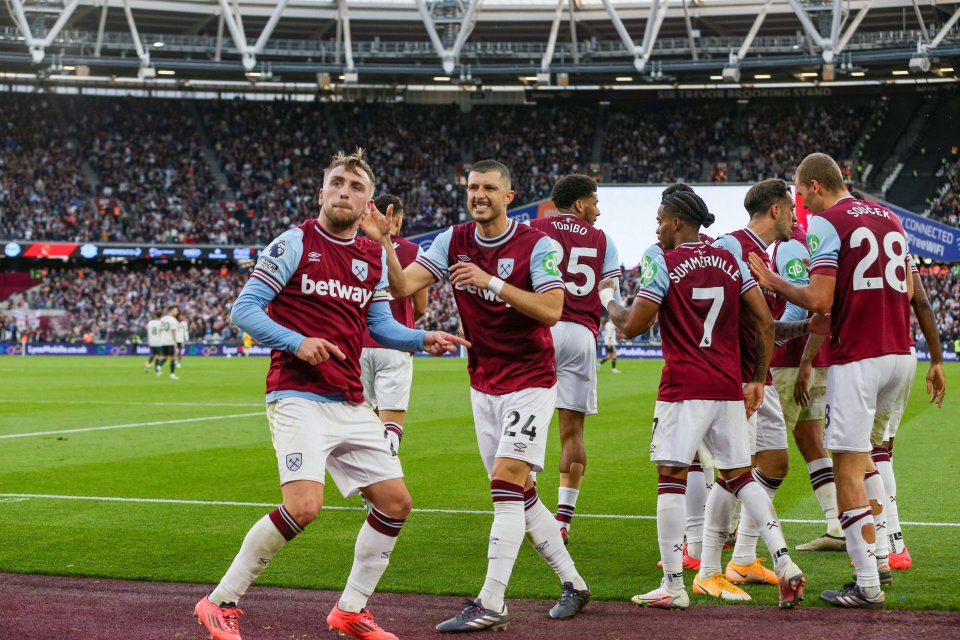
(279, 260)
(654, 281)
(436, 259)
(731, 244)
(824, 243)
(611, 260)
(747, 281)
(544, 270)
(791, 265)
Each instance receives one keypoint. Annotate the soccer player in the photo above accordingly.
(770, 207)
(610, 346)
(799, 369)
(859, 274)
(153, 341)
(698, 290)
(168, 342)
(183, 334)
(509, 292)
(585, 256)
(314, 395)
(247, 343)
(387, 374)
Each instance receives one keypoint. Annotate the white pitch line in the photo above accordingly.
(481, 512)
(129, 426)
(137, 404)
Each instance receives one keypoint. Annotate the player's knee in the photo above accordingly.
(305, 510)
(397, 505)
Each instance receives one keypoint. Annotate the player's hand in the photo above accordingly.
(936, 384)
(467, 273)
(317, 350)
(761, 272)
(437, 343)
(606, 283)
(753, 397)
(376, 224)
(801, 388)
(820, 324)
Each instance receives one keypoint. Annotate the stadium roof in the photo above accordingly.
(567, 43)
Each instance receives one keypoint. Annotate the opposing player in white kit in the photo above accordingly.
(586, 256)
(183, 334)
(153, 341)
(387, 374)
(858, 273)
(698, 291)
(320, 279)
(168, 342)
(609, 346)
(509, 292)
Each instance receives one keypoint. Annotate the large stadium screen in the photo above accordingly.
(629, 215)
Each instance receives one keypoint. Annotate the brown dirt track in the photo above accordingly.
(55, 608)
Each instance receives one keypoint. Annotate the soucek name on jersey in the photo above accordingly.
(324, 286)
(511, 351)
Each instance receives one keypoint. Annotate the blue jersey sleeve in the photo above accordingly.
(390, 333)
(544, 267)
(279, 260)
(654, 281)
(611, 260)
(824, 243)
(248, 314)
(791, 265)
(436, 259)
(731, 244)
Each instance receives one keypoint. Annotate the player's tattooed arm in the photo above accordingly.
(790, 330)
(632, 321)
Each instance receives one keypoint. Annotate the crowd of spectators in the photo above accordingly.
(942, 283)
(264, 161)
(946, 206)
(115, 305)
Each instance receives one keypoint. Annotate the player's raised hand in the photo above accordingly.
(752, 397)
(317, 350)
(801, 388)
(375, 224)
(437, 343)
(467, 273)
(765, 278)
(936, 383)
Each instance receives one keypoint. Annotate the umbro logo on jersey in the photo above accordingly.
(519, 447)
(463, 258)
(313, 256)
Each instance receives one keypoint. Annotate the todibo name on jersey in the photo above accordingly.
(483, 294)
(335, 289)
(564, 225)
(703, 262)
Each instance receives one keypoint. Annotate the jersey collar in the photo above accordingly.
(497, 241)
(332, 238)
(753, 236)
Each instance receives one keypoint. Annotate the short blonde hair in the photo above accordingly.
(354, 162)
(823, 169)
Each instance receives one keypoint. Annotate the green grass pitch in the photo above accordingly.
(209, 443)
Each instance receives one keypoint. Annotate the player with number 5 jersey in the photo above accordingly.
(585, 256)
(858, 274)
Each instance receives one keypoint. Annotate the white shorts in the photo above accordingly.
(386, 375)
(768, 432)
(890, 422)
(576, 349)
(679, 428)
(514, 425)
(348, 440)
(785, 379)
(859, 391)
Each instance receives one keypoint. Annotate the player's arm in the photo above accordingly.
(419, 303)
(654, 284)
(801, 388)
(545, 306)
(936, 379)
(387, 331)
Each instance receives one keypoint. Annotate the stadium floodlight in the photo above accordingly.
(919, 64)
(731, 74)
